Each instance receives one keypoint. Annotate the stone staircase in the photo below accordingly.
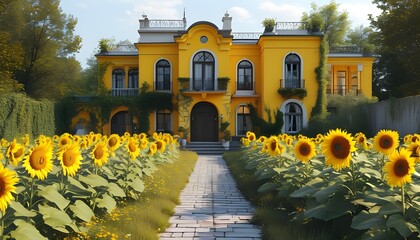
(211, 148)
(206, 148)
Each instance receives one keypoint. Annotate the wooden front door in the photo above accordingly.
(204, 122)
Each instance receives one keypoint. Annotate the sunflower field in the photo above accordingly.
(52, 186)
(373, 183)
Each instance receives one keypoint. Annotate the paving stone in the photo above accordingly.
(212, 207)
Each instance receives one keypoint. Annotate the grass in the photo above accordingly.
(270, 213)
(145, 218)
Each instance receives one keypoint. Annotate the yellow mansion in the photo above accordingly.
(214, 75)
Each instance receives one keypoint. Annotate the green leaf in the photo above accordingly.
(82, 211)
(55, 218)
(20, 210)
(26, 231)
(115, 190)
(78, 188)
(106, 202)
(51, 194)
(365, 220)
(390, 208)
(268, 187)
(336, 206)
(398, 222)
(306, 191)
(94, 180)
(137, 184)
(323, 195)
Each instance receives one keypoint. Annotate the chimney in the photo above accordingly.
(227, 22)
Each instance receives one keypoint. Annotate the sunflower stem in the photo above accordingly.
(381, 167)
(31, 196)
(403, 200)
(353, 179)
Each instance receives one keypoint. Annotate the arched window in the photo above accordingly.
(133, 82)
(293, 118)
(292, 71)
(203, 71)
(163, 75)
(163, 121)
(243, 117)
(117, 84)
(245, 76)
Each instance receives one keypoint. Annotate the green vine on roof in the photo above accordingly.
(319, 111)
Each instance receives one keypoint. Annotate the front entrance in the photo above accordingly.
(119, 123)
(204, 123)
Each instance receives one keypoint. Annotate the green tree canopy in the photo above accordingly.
(333, 23)
(397, 72)
(362, 38)
(47, 37)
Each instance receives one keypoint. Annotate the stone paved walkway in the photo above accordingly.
(212, 207)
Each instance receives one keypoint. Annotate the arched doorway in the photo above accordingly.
(119, 123)
(204, 123)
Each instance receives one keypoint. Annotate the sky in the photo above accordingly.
(119, 19)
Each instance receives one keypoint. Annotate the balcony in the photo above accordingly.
(292, 83)
(344, 90)
(124, 92)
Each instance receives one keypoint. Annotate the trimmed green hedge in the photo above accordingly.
(20, 114)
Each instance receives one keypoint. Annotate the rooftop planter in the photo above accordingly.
(268, 24)
(287, 93)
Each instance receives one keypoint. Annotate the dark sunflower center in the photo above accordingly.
(360, 139)
(112, 142)
(18, 153)
(132, 147)
(304, 149)
(385, 142)
(68, 159)
(340, 147)
(37, 160)
(2, 186)
(273, 145)
(414, 138)
(401, 167)
(99, 152)
(251, 137)
(64, 142)
(159, 145)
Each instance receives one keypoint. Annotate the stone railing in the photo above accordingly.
(162, 24)
(291, 26)
(246, 35)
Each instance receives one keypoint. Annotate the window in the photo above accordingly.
(133, 78)
(117, 78)
(244, 123)
(341, 83)
(292, 71)
(163, 121)
(163, 75)
(244, 78)
(293, 118)
(203, 71)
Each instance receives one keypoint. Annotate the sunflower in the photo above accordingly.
(4, 143)
(414, 149)
(70, 158)
(251, 136)
(305, 150)
(85, 142)
(152, 148)
(26, 140)
(133, 148)
(273, 146)
(100, 154)
(143, 143)
(114, 142)
(399, 168)
(386, 141)
(361, 141)
(262, 139)
(415, 137)
(143, 136)
(39, 160)
(64, 140)
(161, 145)
(15, 152)
(8, 179)
(337, 148)
(245, 141)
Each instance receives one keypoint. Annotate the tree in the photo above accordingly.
(11, 54)
(48, 40)
(329, 21)
(398, 37)
(361, 37)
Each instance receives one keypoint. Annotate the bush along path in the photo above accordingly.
(211, 206)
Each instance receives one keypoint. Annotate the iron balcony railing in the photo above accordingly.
(292, 83)
(123, 92)
(202, 85)
(344, 90)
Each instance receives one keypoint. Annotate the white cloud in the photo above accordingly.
(358, 12)
(242, 13)
(282, 12)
